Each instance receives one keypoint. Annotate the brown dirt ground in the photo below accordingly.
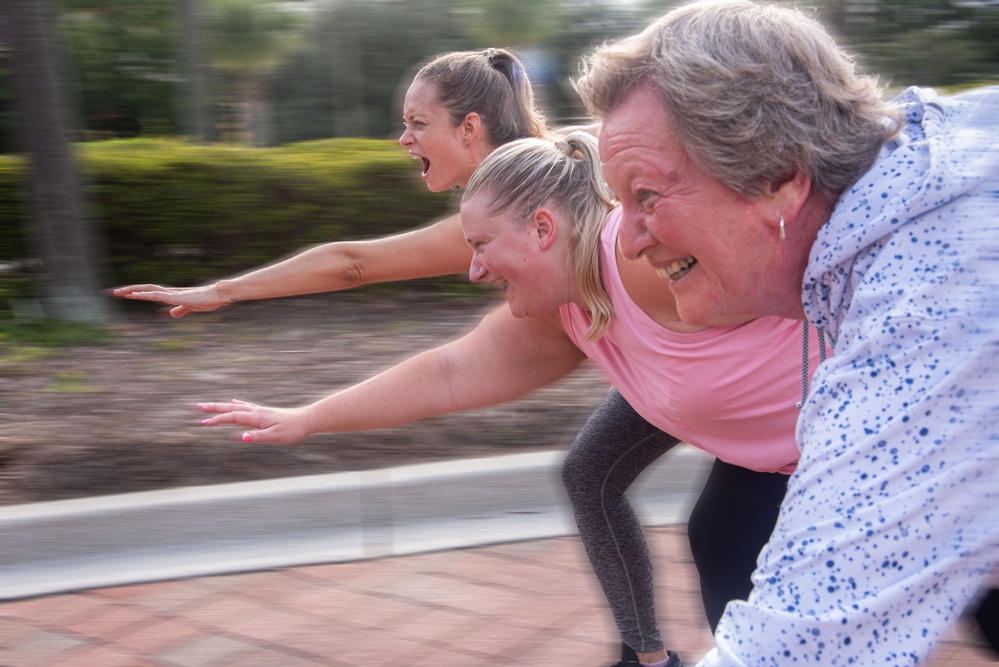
(93, 420)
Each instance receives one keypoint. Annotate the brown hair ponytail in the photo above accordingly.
(491, 83)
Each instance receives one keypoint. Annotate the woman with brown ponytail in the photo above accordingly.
(458, 109)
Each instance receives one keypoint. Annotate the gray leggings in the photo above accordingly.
(730, 523)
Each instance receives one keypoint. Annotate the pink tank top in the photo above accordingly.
(730, 391)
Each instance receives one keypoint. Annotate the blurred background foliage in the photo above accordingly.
(186, 213)
(279, 71)
(211, 134)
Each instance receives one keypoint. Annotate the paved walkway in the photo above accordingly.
(528, 603)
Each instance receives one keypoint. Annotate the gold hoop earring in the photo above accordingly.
(781, 226)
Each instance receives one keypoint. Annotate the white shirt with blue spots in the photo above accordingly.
(891, 522)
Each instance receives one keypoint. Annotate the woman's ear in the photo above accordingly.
(543, 225)
(470, 128)
(787, 198)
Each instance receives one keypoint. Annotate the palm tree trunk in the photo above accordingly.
(194, 70)
(347, 71)
(59, 228)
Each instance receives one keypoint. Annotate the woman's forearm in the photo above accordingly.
(437, 249)
(420, 387)
(324, 268)
(412, 390)
(502, 359)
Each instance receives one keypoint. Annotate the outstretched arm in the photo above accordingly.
(434, 250)
(503, 358)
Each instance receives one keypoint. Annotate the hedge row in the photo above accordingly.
(180, 214)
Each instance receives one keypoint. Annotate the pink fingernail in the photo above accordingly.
(247, 437)
(205, 421)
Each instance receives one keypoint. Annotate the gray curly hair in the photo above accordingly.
(754, 93)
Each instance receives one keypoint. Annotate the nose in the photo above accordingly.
(406, 137)
(634, 237)
(476, 272)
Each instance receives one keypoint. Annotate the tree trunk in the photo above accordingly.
(254, 113)
(190, 19)
(348, 71)
(59, 228)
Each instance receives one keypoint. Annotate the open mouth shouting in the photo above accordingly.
(426, 163)
(678, 269)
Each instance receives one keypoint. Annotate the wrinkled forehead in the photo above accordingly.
(640, 120)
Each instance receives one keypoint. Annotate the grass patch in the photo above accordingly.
(24, 353)
(173, 345)
(49, 333)
(19, 361)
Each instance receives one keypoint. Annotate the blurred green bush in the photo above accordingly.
(175, 213)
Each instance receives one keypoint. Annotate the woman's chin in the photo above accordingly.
(694, 306)
(517, 309)
(521, 310)
(518, 312)
(436, 184)
(696, 316)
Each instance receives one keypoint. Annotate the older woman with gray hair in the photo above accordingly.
(761, 174)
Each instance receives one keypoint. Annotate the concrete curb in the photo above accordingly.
(61, 546)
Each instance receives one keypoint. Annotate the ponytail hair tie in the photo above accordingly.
(516, 73)
(506, 64)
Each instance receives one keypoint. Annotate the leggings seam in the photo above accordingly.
(613, 532)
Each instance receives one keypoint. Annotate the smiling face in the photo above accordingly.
(431, 136)
(711, 244)
(528, 260)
